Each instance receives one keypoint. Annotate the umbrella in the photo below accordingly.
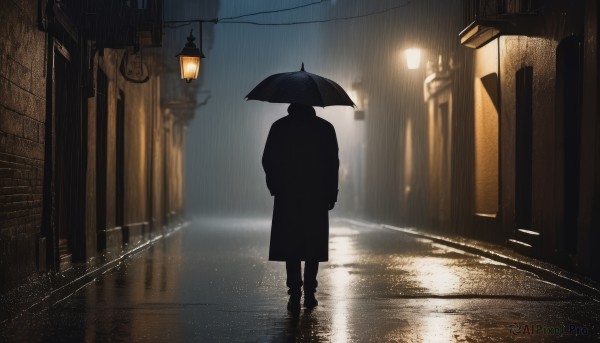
(300, 87)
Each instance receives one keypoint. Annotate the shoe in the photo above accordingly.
(310, 301)
(294, 302)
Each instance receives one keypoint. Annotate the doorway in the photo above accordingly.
(523, 148)
(569, 57)
(69, 207)
(101, 156)
(120, 176)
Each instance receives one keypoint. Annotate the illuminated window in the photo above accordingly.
(486, 145)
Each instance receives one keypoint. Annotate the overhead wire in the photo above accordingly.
(181, 23)
(321, 20)
(177, 25)
(274, 11)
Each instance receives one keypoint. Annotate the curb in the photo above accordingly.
(54, 288)
(544, 270)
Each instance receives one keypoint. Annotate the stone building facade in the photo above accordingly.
(535, 113)
(521, 135)
(22, 137)
(91, 149)
(495, 135)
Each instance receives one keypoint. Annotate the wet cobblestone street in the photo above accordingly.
(211, 282)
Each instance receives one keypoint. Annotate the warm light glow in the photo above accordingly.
(436, 276)
(190, 65)
(486, 98)
(353, 94)
(487, 130)
(413, 58)
(439, 327)
(342, 255)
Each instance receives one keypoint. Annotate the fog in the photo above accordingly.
(225, 140)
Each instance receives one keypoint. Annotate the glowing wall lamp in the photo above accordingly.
(360, 98)
(189, 58)
(413, 58)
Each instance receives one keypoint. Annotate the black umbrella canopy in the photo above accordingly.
(300, 87)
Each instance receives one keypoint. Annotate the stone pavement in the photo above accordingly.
(211, 282)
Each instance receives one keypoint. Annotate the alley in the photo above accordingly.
(211, 282)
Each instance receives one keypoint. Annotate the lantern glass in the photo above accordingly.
(190, 65)
(413, 58)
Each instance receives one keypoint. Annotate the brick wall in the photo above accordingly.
(22, 115)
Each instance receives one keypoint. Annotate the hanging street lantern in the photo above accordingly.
(413, 58)
(189, 58)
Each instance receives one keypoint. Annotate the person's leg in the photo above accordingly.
(311, 268)
(294, 277)
(294, 283)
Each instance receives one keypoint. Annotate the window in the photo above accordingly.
(486, 145)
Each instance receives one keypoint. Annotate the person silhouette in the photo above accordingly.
(301, 166)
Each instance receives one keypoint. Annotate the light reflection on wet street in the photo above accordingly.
(211, 282)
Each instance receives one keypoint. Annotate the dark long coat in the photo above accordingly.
(301, 165)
